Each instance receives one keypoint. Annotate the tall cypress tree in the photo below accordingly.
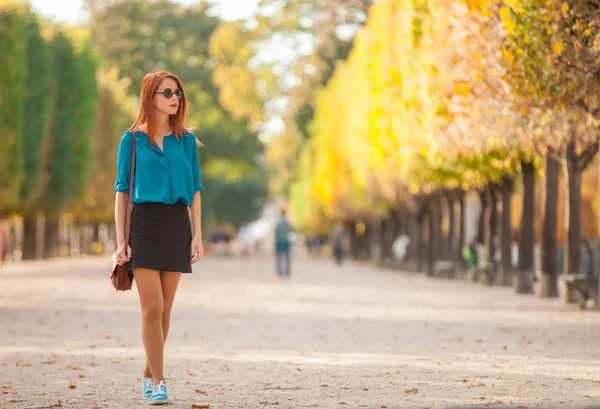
(12, 94)
(74, 99)
(35, 128)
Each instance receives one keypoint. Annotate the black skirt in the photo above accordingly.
(161, 237)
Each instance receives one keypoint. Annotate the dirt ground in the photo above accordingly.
(354, 337)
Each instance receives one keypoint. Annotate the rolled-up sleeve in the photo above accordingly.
(196, 166)
(124, 164)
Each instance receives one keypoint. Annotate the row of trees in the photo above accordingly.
(68, 93)
(48, 98)
(439, 98)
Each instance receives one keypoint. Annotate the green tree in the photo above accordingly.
(35, 129)
(13, 48)
(68, 157)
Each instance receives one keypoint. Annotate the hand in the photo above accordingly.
(197, 249)
(123, 254)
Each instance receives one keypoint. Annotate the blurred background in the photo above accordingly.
(455, 137)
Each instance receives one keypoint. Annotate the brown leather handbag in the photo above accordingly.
(121, 278)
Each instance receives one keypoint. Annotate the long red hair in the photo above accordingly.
(150, 85)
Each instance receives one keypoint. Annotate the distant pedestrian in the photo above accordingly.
(337, 243)
(283, 231)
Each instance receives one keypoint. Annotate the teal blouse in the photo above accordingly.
(161, 176)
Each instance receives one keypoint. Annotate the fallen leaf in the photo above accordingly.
(269, 403)
(200, 391)
(201, 406)
(80, 376)
(72, 386)
(59, 404)
(411, 390)
(479, 384)
(341, 403)
(324, 386)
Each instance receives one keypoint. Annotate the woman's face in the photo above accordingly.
(166, 99)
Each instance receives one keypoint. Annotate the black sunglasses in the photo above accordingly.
(168, 93)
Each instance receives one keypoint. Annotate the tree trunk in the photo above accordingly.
(505, 274)
(461, 229)
(96, 232)
(10, 241)
(574, 238)
(51, 238)
(434, 233)
(492, 238)
(525, 272)
(387, 228)
(411, 225)
(420, 242)
(442, 253)
(483, 216)
(351, 229)
(451, 249)
(549, 281)
(40, 236)
(29, 236)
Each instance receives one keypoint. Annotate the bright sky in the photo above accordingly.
(70, 11)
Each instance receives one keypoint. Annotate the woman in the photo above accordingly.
(162, 243)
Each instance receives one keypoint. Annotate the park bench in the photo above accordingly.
(584, 284)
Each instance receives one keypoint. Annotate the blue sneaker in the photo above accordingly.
(147, 384)
(160, 395)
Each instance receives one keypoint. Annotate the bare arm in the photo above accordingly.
(121, 202)
(197, 251)
(196, 218)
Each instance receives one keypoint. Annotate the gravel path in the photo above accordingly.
(355, 337)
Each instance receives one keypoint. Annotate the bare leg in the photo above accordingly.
(169, 282)
(149, 288)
